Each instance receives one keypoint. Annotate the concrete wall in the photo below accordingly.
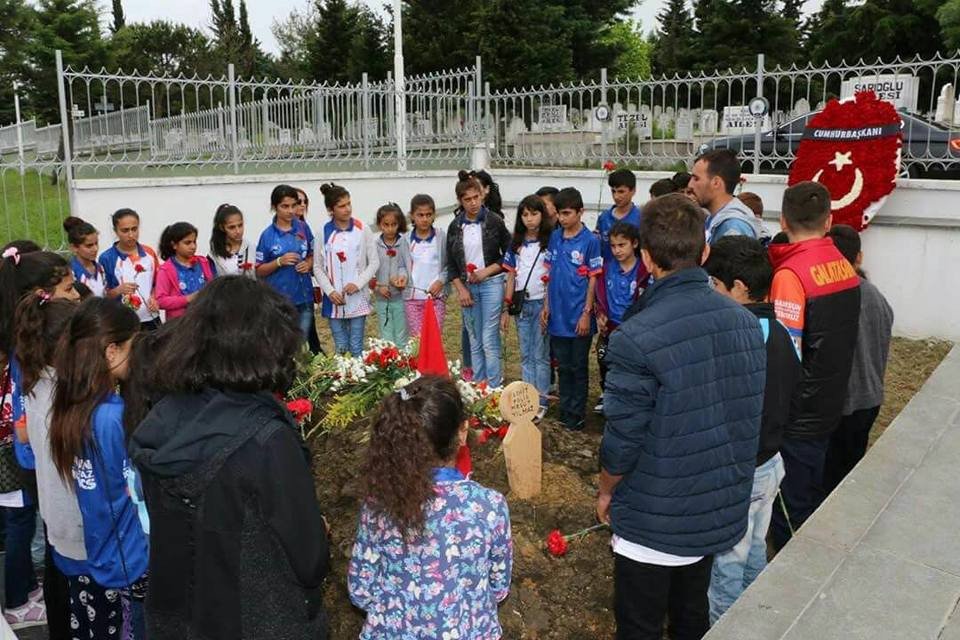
(910, 249)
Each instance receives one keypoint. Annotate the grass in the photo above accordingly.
(32, 206)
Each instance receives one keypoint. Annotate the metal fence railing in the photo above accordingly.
(661, 122)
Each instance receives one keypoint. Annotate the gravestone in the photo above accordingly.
(708, 122)
(946, 105)
(684, 125)
(900, 89)
(553, 117)
(522, 447)
(801, 108)
(516, 127)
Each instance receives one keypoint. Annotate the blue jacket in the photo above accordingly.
(117, 551)
(683, 401)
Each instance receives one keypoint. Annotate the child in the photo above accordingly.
(525, 289)
(284, 256)
(740, 270)
(662, 187)
(87, 445)
(848, 443)
(131, 269)
(477, 238)
(391, 281)
(427, 264)
(313, 340)
(433, 553)
(40, 323)
(622, 282)
(183, 273)
(574, 260)
(683, 405)
(229, 250)
(547, 194)
(232, 499)
(623, 187)
(85, 244)
(755, 204)
(350, 260)
(816, 294)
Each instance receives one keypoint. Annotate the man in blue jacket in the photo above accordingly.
(683, 405)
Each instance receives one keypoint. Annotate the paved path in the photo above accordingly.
(880, 559)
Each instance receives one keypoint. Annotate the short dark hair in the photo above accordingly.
(780, 237)
(622, 178)
(173, 234)
(568, 198)
(806, 205)
(547, 191)
(281, 192)
(662, 187)
(671, 230)
(681, 179)
(741, 258)
(422, 200)
(847, 241)
(723, 163)
(753, 202)
(237, 335)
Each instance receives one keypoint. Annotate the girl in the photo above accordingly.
(350, 260)
(491, 191)
(285, 254)
(391, 281)
(40, 322)
(229, 250)
(476, 241)
(239, 547)
(525, 289)
(41, 275)
(87, 447)
(183, 273)
(618, 287)
(131, 269)
(313, 341)
(420, 511)
(85, 244)
(427, 264)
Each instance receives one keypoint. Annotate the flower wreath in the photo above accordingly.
(852, 147)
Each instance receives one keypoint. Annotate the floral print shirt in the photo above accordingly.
(445, 584)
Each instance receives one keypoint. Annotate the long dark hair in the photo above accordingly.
(84, 378)
(533, 203)
(493, 201)
(332, 194)
(280, 192)
(218, 237)
(19, 274)
(173, 234)
(139, 390)
(39, 324)
(77, 229)
(409, 438)
(237, 335)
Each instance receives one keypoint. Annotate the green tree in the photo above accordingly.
(371, 49)
(292, 34)
(344, 40)
(164, 48)
(948, 15)
(73, 27)
(119, 20)
(15, 29)
(442, 34)
(674, 49)
(634, 60)
(731, 34)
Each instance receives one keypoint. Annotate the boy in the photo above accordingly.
(816, 294)
(755, 204)
(740, 269)
(662, 187)
(716, 175)
(623, 187)
(683, 406)
(573, 258)
(865, 389)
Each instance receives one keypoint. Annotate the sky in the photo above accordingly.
(262, 13)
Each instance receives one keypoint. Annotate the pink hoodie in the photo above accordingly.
(168, 292)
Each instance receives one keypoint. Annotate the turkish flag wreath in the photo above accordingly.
(852, 148)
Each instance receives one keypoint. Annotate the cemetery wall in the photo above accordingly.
(910, 249)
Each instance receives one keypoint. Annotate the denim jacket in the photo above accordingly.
(496, 241)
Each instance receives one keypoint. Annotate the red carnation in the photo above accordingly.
(135, 301)
(471, 267)
(556, 543)
(373, 283)
(301, 408)
(583, 270)
(609, 165)
(391, 253)
(545, 278)
(139, 268)
(341, 256)
(246, 266)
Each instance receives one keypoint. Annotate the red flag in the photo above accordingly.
(431, 360)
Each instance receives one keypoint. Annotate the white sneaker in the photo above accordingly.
(540, 414)
(32, 614)
(599, 407)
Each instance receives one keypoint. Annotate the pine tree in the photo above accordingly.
(673, 52)
(119, 20)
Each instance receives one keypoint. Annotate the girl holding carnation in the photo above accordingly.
(183, 273)
(390, 284)
(84, 242)
(131, 269)
(427, 264)
(433, 553)
(229, 250)
(350, 261)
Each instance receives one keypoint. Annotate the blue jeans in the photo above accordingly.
(534, 348)
(734, 570)
(465, 347)
(19, 578)
(305, 318)
(482, 321)
(573, 377)
(348, 334)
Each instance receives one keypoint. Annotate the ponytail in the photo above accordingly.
(39, 323)
(416, 430)
(467, 181)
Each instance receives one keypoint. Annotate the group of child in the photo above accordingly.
(194, 474)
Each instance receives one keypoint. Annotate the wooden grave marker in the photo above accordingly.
(522, 448)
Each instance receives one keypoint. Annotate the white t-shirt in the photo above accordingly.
(473, 244)
(233, 265)
(424, 266)
(528, 260)
(646, 555)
